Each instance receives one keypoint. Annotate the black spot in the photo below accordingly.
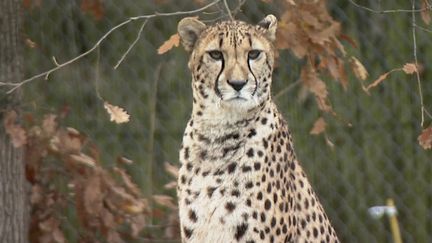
(264, 121)
(267, 204)
(273, 222)
(263, 217)
(205, 173)
(192, 216)
(183, 179)
(260, 153)
(186, 153)
(259, 196)
(240, 231)
(252, 133)
(235, 193)
(262, 236)
(265, 143)
(248, 202)
(246, 168)
(232, 167)
(197, 170)
(269, 188)
(210, 191)
(189, 166)
(188, 232)
(257, 165)
(203, 155)
(245, 216)
(250, 152)
(278, 149)
(219, 172)
(229, 206)
(249, 185)
(315, 232)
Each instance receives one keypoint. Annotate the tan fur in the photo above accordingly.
(240, 180)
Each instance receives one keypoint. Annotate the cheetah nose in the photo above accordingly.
(237, 84)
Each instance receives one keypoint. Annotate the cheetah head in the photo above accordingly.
(231, 62)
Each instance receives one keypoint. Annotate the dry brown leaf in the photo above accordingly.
(29, 43)
(329, 142)
(129, 184)
(124, 160)
(137, 224)
(425, 14)
(17, 134)
(117, 114)
(171, 185)
(378, 81)
(93, 7)
(83, 159)
(425, 138)
(359, 70)
(58, 236)
(49, 124)
(410, 68)
(36, 194)
(174, 40)
(135, 207)
(164, 200)
(171, 169)
(67, 141)
(114, 237)
(318, 127)
(93, 196)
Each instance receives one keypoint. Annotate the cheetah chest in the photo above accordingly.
(233, 199)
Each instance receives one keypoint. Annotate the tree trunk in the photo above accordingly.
(14, 207)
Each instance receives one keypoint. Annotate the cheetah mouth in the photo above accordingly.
(236, 98)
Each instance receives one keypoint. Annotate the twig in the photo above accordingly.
(228, 10)
(132, 45)
(423, 28)
(413, 10)
(286, 89)
(238, 8)
(416, 63)
(131, 19)
(97, 75)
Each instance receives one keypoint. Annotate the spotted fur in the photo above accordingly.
(240, 180)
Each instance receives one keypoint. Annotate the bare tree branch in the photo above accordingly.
(16, 85)
(132, 45)
(413, 10)
(413, 21)
(423, 28)
(228, 10)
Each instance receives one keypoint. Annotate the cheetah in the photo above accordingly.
(240, 180)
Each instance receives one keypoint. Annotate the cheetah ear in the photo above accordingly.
(269, 23)
(189, 30)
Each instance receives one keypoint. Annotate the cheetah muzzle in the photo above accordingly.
(240, 180)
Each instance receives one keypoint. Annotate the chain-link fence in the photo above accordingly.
(378, 157)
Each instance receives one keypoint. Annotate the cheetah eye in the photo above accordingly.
(217, 55)
(254, 54)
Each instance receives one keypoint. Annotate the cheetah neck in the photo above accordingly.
(218, 140)
(221, 119)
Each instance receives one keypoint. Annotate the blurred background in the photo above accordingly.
(378, 157)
